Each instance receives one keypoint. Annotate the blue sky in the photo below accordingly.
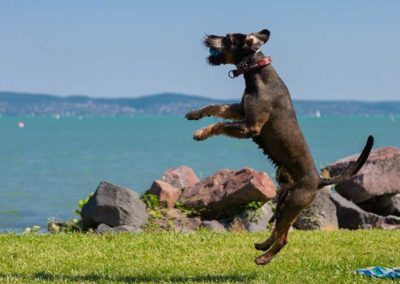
(322, 49)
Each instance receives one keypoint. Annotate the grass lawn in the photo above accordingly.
(201, 257)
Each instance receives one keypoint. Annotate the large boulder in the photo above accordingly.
(180, 177)
(320, 215)
(374, 185)
(350, 216)
(224, 193)
(257, 220)
(114, 206)
(381, 205)
(166, 193)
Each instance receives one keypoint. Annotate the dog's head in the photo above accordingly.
(232, 48)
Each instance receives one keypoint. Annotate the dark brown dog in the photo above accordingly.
(266, 115)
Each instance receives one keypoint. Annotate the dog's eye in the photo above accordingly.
(249, 42)
(227, 41)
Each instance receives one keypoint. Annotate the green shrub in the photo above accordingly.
(82, 203)
(254, 205)
(150, 200)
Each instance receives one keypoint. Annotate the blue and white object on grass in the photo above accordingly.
(380, 272)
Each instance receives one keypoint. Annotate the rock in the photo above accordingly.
(114, 206)
(392, 220)
(103, 228)
(57, 226)
(213, 226)
(173, 219)
(257, 221)
(350, 216)
(320, 215)
(187, 224)
(222, 194)
(379, 177)
(381, 205)
(166, 193)
(181, 222)
(126, 228)
(395, 205)
(180, 177)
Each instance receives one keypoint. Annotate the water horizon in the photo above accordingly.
(51, 162)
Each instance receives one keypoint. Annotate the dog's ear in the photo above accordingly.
(263, 35)
(255, 40)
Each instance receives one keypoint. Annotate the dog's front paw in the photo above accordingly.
(193, 115)
(199, 135)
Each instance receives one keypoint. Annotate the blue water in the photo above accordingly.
(48, 165)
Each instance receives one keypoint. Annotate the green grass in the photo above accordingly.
(201, 257)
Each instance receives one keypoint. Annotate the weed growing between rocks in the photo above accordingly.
(71, 225)
(82, 203)
(150, 200)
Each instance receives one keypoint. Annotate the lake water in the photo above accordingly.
(48, 165)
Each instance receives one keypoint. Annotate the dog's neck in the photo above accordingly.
(250, 63)
(261, 74)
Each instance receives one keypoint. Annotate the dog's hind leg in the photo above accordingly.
(267, 243)
(264, 246)
(232, 111)
(285, 182)
(297, 199)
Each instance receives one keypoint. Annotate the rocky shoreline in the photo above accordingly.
(244, 200)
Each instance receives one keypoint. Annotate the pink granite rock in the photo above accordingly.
(166, 193)
(378, 179)
(180, 177)
(227, 190)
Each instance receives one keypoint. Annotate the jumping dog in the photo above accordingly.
(266, 115)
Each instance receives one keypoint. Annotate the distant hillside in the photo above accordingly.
(43, 104)
(347, 107)
(12, 103)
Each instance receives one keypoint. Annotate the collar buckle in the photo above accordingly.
(231, 74)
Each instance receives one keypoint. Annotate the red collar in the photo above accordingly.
(244, 68)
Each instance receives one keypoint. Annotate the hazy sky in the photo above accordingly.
(322, 49)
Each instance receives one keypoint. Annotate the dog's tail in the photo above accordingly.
(352, 169)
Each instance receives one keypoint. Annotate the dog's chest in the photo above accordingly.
(249, 101)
